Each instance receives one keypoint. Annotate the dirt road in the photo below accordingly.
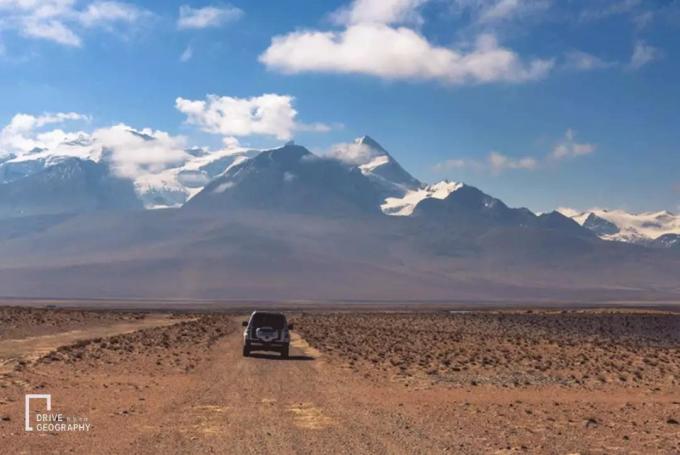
(230, 404)
(197, 394)
(32, 348)
(262, 404)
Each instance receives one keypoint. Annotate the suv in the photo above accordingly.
(266, 332)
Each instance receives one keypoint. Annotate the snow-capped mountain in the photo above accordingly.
(290, 179)
(175, 186)
(666, 241)
(71, 185)
(361, 175)
(470, 209)
(378, 165)
(15, 167)
(288, 224)
(184, 175)
(640, 228)
(404, 205)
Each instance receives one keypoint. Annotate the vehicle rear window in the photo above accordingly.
(275, 321)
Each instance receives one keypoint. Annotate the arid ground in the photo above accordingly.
(513, 381)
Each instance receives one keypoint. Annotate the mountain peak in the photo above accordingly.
(377, 163)
(289, 153)
(370, 142)
(290, 179)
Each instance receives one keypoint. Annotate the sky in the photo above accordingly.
(542, 103)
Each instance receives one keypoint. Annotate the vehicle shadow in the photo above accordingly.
(257, 355)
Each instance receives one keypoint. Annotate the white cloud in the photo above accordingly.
(643, 54)
(51, 30)
(503, 10)
(269, 114)
(408, 11)
(450, 165)
(317, 127)
(499, 162)
(488, 13)
(109, 12)
(496, 162)
(209, 16)
(398, 53)
(61, 21)
(132, 152)
(26, 122)
(380, 12)
(569, 148)
(22, 134)
(583, 61)
(354, 153)
(643, 19)
(187, 54)
(603, 9)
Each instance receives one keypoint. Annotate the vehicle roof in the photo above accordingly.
(272, 313)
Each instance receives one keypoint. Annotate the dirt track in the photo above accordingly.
(187, 389)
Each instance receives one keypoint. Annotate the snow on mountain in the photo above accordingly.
(403, 206)
(624, 226)
(666, 241)
(163, 172)
(290, 179)
(175, 186)
(72, 185)
(21, 165)
(377, 164)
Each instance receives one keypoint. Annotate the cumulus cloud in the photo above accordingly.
(643, 54)
(62, 22)
(206, 17)
(22, 134)
(377, 39)
(569, 148)
(398, 53)
(131, 153)
(269, 114)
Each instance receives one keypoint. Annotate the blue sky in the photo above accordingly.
(541, 103)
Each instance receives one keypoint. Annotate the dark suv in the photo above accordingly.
(266, 332)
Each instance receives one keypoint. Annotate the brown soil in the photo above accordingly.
(579, 349)
(17, 323)
(186, 388)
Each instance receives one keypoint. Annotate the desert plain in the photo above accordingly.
(383, 380)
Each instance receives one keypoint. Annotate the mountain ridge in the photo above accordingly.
(388, 188)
